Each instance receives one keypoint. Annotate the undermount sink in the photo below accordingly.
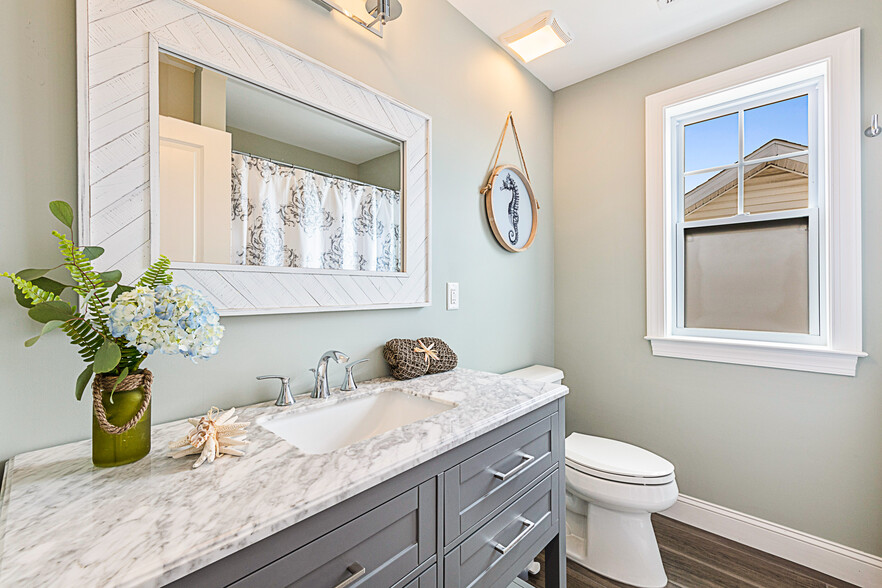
(323, 429)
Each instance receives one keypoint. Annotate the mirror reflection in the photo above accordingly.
(251, 177)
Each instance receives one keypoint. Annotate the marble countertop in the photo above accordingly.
(65, 522)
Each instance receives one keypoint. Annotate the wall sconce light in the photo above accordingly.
(536, 37)
(382, 12)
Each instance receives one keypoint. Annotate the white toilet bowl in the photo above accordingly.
(612, 489)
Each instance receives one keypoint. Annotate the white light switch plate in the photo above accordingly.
(452, 295)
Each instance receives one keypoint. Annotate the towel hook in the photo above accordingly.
(874, 130)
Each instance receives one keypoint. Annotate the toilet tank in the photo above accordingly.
(542, 373)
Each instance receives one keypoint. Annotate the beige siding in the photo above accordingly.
(770, 190)
(775, 189)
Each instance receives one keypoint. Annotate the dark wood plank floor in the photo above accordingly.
(697, 559)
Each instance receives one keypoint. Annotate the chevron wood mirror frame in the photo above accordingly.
(118, 43)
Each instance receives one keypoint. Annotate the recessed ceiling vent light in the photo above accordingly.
(537, 36)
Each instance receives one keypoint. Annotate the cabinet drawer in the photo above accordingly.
(508, 540)
(428, 579)
(483, 483)
(379, 548)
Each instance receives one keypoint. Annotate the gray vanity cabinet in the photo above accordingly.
(472, 517)
(378, 549)
(509, 539)
(481, 484)
(428, 579)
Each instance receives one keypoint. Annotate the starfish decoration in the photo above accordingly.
(429, 351)
(216, 434)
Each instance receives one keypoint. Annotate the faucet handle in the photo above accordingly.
(285, 397)
(348, 379)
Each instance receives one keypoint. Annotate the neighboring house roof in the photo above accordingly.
(727, 179)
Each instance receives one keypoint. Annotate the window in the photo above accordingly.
(753, 213)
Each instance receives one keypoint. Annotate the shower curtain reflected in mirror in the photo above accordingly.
(292, 217)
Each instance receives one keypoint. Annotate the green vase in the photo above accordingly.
(115, 450)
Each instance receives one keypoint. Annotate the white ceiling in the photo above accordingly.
(607, 33)
(260, 111)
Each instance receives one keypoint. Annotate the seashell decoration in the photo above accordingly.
(216, 434)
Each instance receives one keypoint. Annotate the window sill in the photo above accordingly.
(805, 358)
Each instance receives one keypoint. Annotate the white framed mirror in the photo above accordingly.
(274, 183)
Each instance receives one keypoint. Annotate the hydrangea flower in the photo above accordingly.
(169, 319)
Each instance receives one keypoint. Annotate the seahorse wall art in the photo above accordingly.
(509, 184)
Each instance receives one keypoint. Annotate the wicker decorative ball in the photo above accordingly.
(412, 358)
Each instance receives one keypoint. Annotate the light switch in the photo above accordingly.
(452, 295)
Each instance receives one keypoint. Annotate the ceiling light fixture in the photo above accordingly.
(382, 11)
(536, 37)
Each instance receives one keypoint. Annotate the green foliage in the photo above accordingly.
(50, 326)
(89, 281)
(86, 327)
(31, 292)
(157, 274)
(122, 376)
(62, 212)
(54, 310)
(28, 293)
(93, 252)
(110, 278)
(32, 274)
(83, 380)
(84, 336)
(107, 357)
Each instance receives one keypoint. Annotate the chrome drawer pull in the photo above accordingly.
(528, 526)
(357, 570)
(527, 459)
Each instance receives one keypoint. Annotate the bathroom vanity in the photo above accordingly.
(466, 496)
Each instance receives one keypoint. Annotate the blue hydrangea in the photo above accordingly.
(169, 319)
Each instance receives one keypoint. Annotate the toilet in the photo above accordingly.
(612, 489)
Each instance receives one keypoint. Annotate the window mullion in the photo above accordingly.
(741, 161)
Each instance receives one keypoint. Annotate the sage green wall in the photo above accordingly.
(384, 171)
(803, 450)
(433, 59)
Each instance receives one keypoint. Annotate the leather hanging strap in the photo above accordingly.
(508, 120)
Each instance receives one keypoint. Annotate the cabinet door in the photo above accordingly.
(378, 548)
(506, 544)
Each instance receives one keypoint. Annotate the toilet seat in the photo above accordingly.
(616, 461)
(637, 480)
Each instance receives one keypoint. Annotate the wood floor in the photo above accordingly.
(697, 559)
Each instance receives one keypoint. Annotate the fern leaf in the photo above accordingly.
(31, 291)
(84, 337)
(91, 286)
(157, 274)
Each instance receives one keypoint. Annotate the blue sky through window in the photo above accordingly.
(786, 120)
(714, 142)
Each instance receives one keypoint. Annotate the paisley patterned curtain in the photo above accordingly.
(287, 216)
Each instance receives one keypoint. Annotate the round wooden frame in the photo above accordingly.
(488, 204)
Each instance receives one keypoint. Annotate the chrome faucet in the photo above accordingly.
(348, 379)
(321, 389)
(285, 397)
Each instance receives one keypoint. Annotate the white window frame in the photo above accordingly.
(829, 71)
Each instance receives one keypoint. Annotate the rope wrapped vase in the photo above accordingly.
(121, 418)
(412, 358)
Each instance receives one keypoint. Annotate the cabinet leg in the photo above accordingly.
(555, 564)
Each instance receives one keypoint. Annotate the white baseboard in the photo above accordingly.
(813, 552)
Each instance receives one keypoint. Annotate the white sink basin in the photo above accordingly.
(322, 429)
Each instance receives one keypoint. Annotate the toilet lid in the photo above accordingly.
(599, 455)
